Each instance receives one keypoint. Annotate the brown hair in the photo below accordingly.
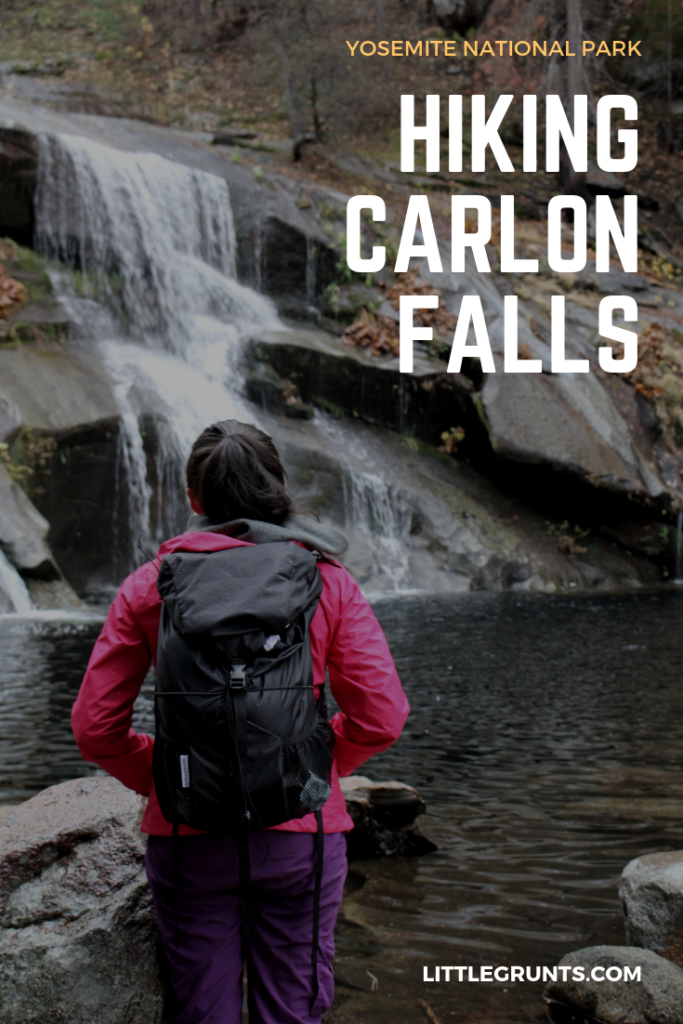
(235, 472)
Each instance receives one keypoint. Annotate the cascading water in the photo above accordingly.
(375, 508)
(151, 249)
(14, 597)
(381, 512)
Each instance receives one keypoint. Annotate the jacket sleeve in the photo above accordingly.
(364, 682)
(102, 715)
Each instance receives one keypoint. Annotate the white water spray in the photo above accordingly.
(382, 514)
(154, 242)
(151, 249)
(13, 588)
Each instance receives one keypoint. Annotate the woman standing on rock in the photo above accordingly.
(239, 608)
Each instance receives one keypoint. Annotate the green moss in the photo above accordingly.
(481, 413)
(16, 334)
(28, 268)
(27, 451)
(327, 406)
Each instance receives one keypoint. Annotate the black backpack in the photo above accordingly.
(239, 735)
(241, 742)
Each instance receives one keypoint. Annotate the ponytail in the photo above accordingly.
(235, 472)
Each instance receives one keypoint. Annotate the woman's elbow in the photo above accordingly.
(95, 739)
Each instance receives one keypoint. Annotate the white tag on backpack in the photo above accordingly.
(185, 771)
(271, 641)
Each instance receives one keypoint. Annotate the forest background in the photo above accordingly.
(281, 68)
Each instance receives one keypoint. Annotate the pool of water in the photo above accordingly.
(546, 737)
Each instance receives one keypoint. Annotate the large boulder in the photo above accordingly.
(576, 426)
(23, 531)
(383, 815)
(651, 893)
(570, 424)
(14, 595)
(29, 574)
(59, 415)
(78, 938)
(656, 998)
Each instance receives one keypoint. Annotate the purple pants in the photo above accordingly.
(207, 961)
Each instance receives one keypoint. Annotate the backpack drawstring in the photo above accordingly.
(175, 878)
(319, 856)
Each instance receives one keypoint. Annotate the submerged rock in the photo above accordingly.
(651, 893)
(384, 816)
(656, 999)
(78, 939)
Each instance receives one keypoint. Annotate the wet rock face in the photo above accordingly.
(570, 426)
(78, 939)
(23, 531)
(61, 423)
(29, 573)
(18, 162)
(656, 999)
(294, 266)
(571, 448)
(76, 490)
(651, 893)
(341, 378)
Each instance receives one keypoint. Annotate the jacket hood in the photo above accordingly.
(300, 528)
(202, 536)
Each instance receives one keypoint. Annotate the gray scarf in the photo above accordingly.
(302, 528)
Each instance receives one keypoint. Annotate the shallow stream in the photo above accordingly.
(546, 738)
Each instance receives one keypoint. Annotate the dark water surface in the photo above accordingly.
(546, 738)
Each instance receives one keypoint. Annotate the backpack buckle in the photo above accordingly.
(238, 676)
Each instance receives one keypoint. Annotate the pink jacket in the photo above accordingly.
(345, 638)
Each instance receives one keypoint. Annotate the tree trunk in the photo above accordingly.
(669, 79)
(293, 104)
(576, 82)
(577, 85)
(379, 4)
(552, 78)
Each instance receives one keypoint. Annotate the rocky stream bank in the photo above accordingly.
(78, 938)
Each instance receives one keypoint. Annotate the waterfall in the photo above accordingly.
(381, 513)
(13, 592)
(148, 255)
(149, 247)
